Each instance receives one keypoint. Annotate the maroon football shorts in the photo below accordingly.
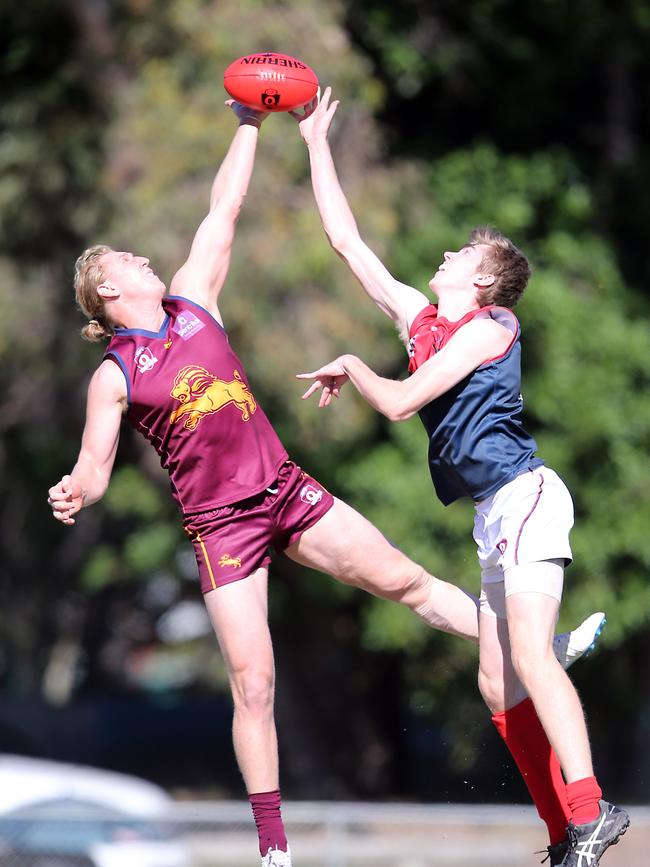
(233, 541)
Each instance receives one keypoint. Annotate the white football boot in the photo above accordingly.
(570, 646)
(277, 858)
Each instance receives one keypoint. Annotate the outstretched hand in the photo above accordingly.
(316, 123)
(65, 499)
(305, 111)
(247, 115)
(330, 379)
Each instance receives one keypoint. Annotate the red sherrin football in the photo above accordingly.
(270, 82)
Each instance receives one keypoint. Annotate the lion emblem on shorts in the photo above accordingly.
(200, 393)
(227, 560)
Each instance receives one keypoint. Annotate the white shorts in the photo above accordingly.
(526, 521)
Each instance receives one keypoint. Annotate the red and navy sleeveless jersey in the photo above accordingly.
(477, 442)
(189, 396)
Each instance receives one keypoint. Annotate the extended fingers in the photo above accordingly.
(332, 110)
(318, 105)
(328, 388)
(313, 388)
(326, 396)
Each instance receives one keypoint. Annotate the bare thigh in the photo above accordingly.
(346, 545)
(531, 622)
(239, 615)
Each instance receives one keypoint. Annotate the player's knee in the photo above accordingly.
(527, 661)
(253, 691)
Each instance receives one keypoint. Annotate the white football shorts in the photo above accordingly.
(526, 521)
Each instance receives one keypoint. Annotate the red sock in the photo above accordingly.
(524, 736)
(583, 797)
(266, 812)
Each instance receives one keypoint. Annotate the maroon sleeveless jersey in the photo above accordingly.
(189, 396)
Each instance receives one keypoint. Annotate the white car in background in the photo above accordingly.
(54, 814)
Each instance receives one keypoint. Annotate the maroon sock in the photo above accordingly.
(524, 736)
(583, 797)
(266, 812)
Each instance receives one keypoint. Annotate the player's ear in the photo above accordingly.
(108, 292)
(484, 280)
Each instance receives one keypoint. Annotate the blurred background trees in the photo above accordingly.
(524, 115)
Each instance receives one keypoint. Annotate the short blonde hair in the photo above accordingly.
(88, 275)
(510, 267)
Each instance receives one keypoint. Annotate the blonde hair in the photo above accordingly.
(88, 275)
(511, 269)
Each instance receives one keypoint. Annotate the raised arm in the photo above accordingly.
(399, 301)
(89, 479)
(202, 276)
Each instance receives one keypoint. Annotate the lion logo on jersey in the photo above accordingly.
(200, 393)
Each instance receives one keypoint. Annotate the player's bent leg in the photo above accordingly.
(497, 680)
(347, 546)
(238, 612)
(514, 718)
(532, 616)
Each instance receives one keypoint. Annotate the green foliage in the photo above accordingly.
(101, 568)
(392, 628)
(150, 549)
(131, 495)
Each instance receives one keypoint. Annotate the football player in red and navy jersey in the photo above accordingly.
(170, 371)
(465, 384)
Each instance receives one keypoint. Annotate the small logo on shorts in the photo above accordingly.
(227, 560)
(502, 545)
(310, 495)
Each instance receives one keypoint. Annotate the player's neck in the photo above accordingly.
(146, 317)
(454, 306)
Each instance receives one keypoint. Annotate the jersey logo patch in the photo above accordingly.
(187, 324)
(502, 545)
(310, 495)
(145, 359)
(200, 393)
(227, 560)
